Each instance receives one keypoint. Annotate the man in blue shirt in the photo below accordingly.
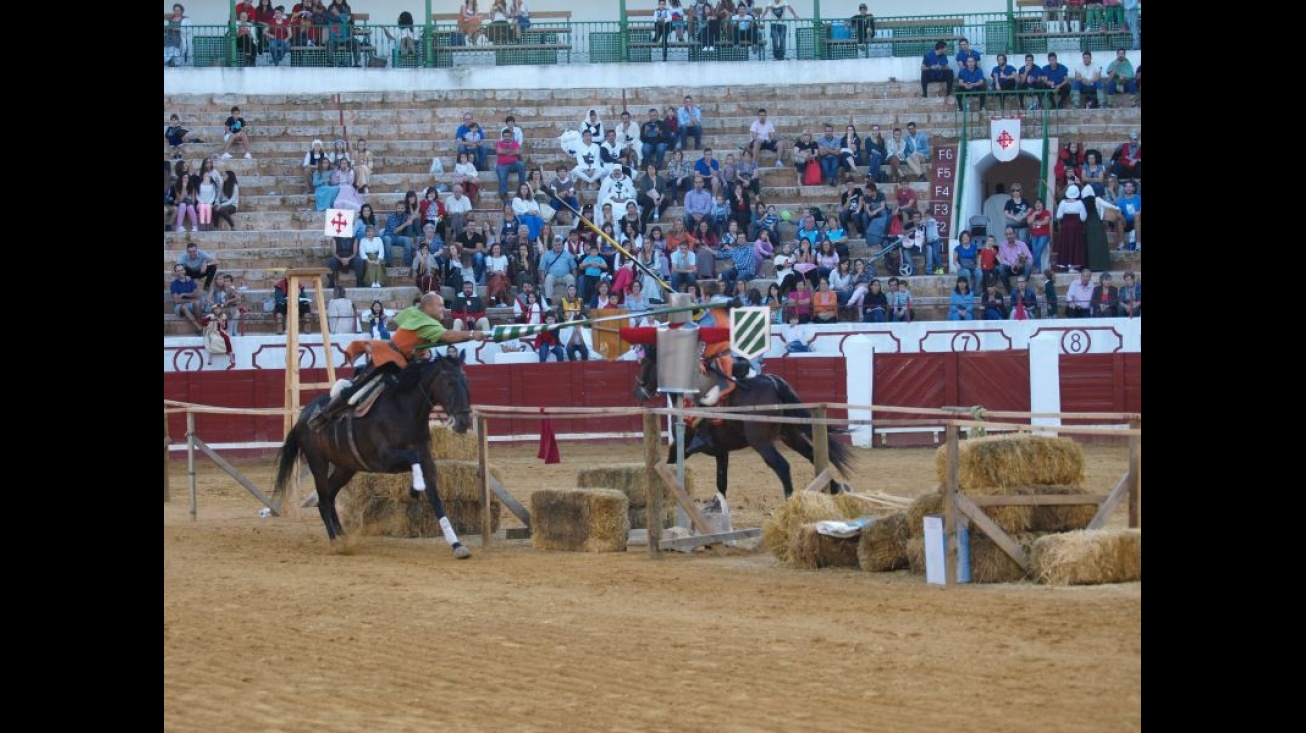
(741, 253)
(1004, 79)
(698, 205)
(710, 169)
(917, 150)
(469, 137)
(1056, 78)
(934, 67)
(964, 51)
(1029, 77)
(400, 226)
(690, 118)
(1131, 205)
(971, 79)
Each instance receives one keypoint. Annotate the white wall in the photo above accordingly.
(387, 11)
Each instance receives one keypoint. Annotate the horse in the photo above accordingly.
(733, 435)
(393, 437)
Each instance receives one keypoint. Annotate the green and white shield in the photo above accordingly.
(750, 331)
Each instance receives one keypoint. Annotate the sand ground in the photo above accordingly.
(266, 628)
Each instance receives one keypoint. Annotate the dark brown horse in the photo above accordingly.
(394, 437)
(733, 435)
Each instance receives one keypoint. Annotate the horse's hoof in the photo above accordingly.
(461, 552)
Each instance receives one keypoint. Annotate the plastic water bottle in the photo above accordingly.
(264, 513)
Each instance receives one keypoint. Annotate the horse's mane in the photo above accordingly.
(411, 377)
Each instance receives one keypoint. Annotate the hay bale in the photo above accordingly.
(925, 504)
(1068, 518)
(1088, 557)
(631, 479)
(855, 506)
(379, 504)
(883, 545)
(989, 564)
(446, 445)
(992, 463)
(812, 550)
(585, 520)
(915, 547)
(804, 507)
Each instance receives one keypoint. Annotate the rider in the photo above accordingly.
(418, 325)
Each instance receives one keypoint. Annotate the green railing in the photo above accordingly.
(631, 40)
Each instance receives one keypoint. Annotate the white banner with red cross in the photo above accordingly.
(1005, 135)
(339, 223)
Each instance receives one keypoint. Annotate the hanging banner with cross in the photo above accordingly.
(750, 331)
(339, 223)
(1004, 133)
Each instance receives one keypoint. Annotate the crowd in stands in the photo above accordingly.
(627, 175)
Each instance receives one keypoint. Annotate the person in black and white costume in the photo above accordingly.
(589, 160)
(618, 189)
(628, 138)
(592, 124)
(610, 152)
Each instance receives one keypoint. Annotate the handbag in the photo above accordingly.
(812, 174)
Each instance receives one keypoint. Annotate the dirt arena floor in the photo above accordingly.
(265, 628)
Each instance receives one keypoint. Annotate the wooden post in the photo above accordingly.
(167, 482)
(820, 441)
(190, 464)
(950, 505)
(293, 283)
(483, 466)
(1136, 474)
(653, 501)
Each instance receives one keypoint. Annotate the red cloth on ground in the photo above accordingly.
(548, 443)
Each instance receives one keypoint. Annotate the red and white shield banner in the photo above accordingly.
(1005, 136)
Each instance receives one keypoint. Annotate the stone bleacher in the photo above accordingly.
(277, 227)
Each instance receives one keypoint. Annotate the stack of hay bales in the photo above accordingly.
(1088, 557)
(379, 504)
(883, 545)
(790, 533)
(584, 520)
(1009, 465)
(446, 445)
(631, 479)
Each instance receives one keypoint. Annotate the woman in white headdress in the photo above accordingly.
(1072, 248)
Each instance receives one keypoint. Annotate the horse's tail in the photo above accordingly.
(840, 456)
(287, 459)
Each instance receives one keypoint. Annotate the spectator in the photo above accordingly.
(469, 136)
(1055, 78)
(965, 259)
(1132, 21)
(1024, 303)
(1079, 296)
(237, 133)
(206, 196)
(1072, 250)
(1120, 77)
(175, 135)
(524, 265)
(1105, 298)
(507, 161)
(1049, 293)
(407, 38)
(653, 196)
(400, 226)
(653, 138)
(617, 190)
(363, 163)
(971, 79)
(527, 210)
(1013, 257)
(689, 123)
(863, 24)
(698, 205)
(896, 153)
(364, 217)
(1015, 212)
(628, 137)
(375, 321)
(799, 301)
(877, 305)
(1131, 208)
(761, 133)
(876, 214)
(742, 26)
(346, 193)
(557, 266)
(324, 192)
(900, 302)
(933, 243)
(805, 152)
(708, 168)
(961, 303)
(934, 67)
(185, 196)
(185, 297)
(1029, 77)
(589, 166)
(1130, 300)
(684, 266)
(546, 342)
(467, 309)
(741, 255)
(918, 151)
(198, 264)
(345, 257)
(457, 208)
(496, 276)
(176, 37)
(850, 153)
(1092, 173)
(217, 340)
(1040, 232)
(1095, 240)
(779, 30)
(1069, 161)
(1004, 78)
(876, 154)
(371, 251)
(426, 269)
(593, 125)
(281, 305)
(988, 262)
(465, 175)
(449, 268)
(574, 338)
(340, 312)
(233, 301)
(1087, 82)
(602, 298)
(992, 306)
(825, 303)
(796, 336)
(829, 151)
(906, 202)
(1127, 160)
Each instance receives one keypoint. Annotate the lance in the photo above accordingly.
(620, 249)
(506, 333)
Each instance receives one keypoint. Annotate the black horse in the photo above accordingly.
(394, 437)
(733, 435)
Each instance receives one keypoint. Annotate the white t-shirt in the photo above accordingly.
(1080, 70)
(373, 246)
(454, 205)
(764, 130)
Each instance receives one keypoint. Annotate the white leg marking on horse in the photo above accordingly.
(419, 483)
(447, 528)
